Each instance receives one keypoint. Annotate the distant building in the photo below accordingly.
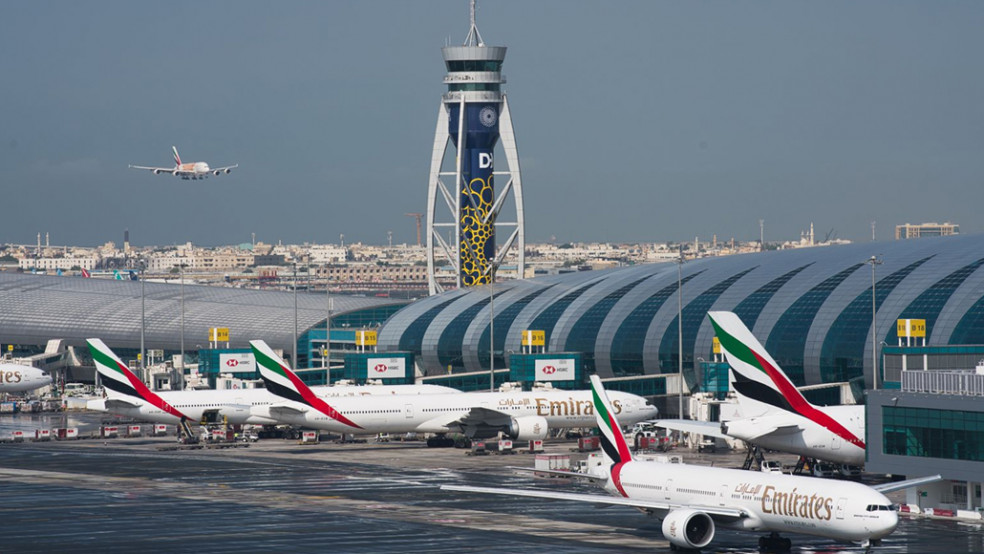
(910, 231)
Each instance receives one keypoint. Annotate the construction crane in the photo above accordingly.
(419, 217)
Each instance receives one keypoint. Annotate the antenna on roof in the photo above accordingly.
(474, 38)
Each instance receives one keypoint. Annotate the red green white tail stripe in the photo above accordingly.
(613, 444)
(759, 378)
(119, 380)
(283, 382)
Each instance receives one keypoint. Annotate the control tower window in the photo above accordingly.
(474, 65)
(474, 86)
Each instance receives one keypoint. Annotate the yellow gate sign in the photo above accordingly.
(365, 338)
(717, 345)
(218, 334)
(534, 338)
(911, 328)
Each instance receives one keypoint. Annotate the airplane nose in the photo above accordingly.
(886, 525)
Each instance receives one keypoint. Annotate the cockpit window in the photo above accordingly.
(881, 508)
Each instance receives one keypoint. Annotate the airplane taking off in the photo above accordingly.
(520, 415)
(22, 378)
(127, 395)
(195, 170)
(692, 500)
(775, 415)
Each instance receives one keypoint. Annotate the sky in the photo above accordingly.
(636, 121)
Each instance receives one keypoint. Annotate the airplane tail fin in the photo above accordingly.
(283, 382)
(119, 381)
(177, 158)
(761, 385)
(615, 450)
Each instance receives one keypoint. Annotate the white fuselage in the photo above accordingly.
(237, 406)
(812, 440)
(438, 413)
(22, 378)
(840, 510)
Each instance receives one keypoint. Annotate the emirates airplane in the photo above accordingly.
(22, 378)
(520, 415)
(775, 415)
(127, 395)
(195, 170)
(692, 500)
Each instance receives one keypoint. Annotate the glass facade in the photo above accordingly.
(788, 339)
(842, 357)
(929, 304)
(474, 65)
(810, 307)
(449, 345)
(694, 314)
(750, 308)
(585, 331)
(931, 433)
(627, 345)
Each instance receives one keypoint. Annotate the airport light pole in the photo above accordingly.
(492, 325)
(680, 328)
(181, 281)
(328, 329)
(874, 329)
(294, 361)
(143, 325)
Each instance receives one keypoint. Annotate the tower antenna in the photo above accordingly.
(474, 38)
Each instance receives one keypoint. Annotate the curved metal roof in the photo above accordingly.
(36, 308)
(811, 307)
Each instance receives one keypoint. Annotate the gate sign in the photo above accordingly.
(911, 328)
(242, 362)
(533, 338)
(386, 368)
(218, 334)
(561, 369)
(716, 346)
(365, 338)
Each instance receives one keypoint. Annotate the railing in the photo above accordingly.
(966, 383)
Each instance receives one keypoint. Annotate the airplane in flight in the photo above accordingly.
(195, 170)
(520, 415)
(127, 395)
(22, 378)
(775, 414)
(693, 500)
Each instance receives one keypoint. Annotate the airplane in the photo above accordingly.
(22, 378)
(775, 415)
(693, 500)
(520, 415)
(127, 395)
(195, 170)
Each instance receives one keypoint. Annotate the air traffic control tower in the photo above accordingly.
(462, 220)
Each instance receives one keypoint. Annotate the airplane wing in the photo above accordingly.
(285, 409)
(216, 170)
(716, 511)
(708, 428)
(474, 417)
(160, 169)
(899, 485)
(121, 404)
(560, 473)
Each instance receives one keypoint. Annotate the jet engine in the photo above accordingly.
(688, 528)
(157, 172)
(175, 173)
(528, 428)
(216, 172)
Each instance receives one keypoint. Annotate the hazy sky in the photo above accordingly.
(636, 121)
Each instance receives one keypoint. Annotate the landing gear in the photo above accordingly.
(440, 441)
(775, 543)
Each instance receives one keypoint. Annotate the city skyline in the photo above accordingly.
(636, 121)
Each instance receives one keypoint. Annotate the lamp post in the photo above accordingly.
(491, 326)
(294, 360)
(874, 329)
(680, 328)
(181, 285)
(143, 324)
(328, 301)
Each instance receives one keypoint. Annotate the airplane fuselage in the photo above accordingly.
(437, 413)
(235, 406)
(813, 439)
(22, 378)
(840, 510)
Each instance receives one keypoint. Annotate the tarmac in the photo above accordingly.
(123, 495)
